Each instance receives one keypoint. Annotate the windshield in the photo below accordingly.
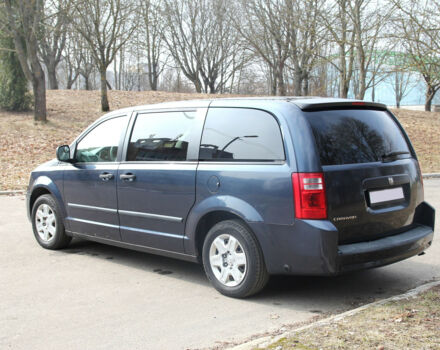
(356, 136)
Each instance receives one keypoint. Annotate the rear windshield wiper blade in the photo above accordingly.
(393, 154)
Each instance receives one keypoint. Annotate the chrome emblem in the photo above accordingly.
(391, 181)
(345, 218)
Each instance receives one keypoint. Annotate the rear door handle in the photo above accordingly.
(105, 176)
(129, 177)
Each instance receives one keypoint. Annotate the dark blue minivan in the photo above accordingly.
(248, 187)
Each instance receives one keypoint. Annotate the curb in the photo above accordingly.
(431, 175)
(8, 193)
(266, 341)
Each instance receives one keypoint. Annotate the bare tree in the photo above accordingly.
(336, 19)
(306, 29)
(418, 27)
(87, 65)
(369, 21)
(400, 82)
(53, 37)
(151, 30)
(202, 41)
(23, 21)
(266, 26)
(71, 59)
(400, 76)
(224, 53)
(105, 25)
(184, 28)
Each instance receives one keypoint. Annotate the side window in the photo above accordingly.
(240, 134)
(161, 136)
(101, 144)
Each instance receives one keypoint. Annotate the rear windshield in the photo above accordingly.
(356, 136)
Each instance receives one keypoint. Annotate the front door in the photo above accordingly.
(90, 183)
(156, 181)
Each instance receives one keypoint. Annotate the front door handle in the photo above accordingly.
(129, 177)
(105, 176)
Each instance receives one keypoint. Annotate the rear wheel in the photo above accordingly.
(47, 224)
(233, 260)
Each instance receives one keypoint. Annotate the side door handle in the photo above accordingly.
(129, 177)
(106, 176)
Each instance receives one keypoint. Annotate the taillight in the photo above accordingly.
(309, 195)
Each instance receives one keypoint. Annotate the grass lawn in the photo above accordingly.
(412, 323)
(25, 144)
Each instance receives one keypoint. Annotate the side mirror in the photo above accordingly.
(63, 154)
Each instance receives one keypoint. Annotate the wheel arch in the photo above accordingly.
(206, 223)
(211, 211)
(37, 192)
(44, 185)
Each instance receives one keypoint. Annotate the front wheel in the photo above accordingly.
(47, 224)
(233, 260)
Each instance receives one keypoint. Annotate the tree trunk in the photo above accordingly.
(52, 75)
(361, 86)
(104, 98)
(115, 73)
(305, 88)
(153, 84)
(297, 83)
(343, 91)
(212, 89)
(197, 85)
(430, 93)
(274, 84)
(428, 104)
(398, 88)
(273, 87)
(280, 79)
(71, 80)
(153, 76)
(86, 82)
(39, 89)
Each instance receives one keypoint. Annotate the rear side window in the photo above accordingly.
(356, 136)
(240, 134)
(161, 136)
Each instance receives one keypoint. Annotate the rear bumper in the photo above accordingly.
(384, 251)
(310, 247)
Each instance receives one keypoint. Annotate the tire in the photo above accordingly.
(47, 224)
(233, 260)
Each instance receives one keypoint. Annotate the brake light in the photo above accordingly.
(309, 195)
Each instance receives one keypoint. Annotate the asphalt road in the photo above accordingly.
(93, 296)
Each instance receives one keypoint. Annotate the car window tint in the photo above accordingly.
(356, 136)
(101, 144)
(161, 136)
(240, 134)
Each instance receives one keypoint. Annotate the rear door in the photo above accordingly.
(156, 180)
(371, 173)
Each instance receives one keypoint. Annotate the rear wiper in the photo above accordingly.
(393, 154)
